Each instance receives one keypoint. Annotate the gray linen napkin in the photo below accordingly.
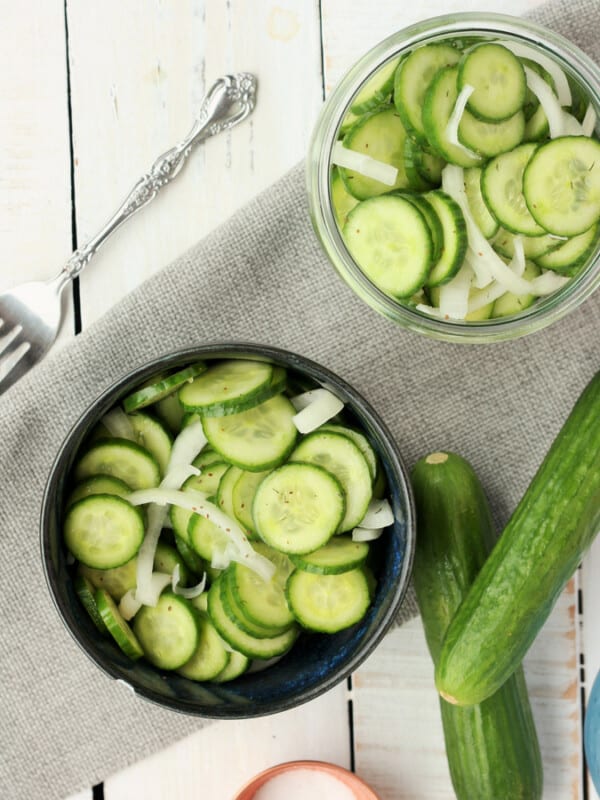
(261, 277)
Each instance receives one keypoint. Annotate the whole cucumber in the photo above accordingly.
(492, 747)
(540, 548)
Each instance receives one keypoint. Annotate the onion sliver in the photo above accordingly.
(189, 592)
(145, 591)
(379, 514)
(451, 132)
(517, 262)
(360, 534)
(571, 125)
(359, 162)
(187, 445)
(547, 283)
(178, 475)
(431, 311)
(322, 407)
(196, 501)
(552, 109)
(563, 89)
(454, 295)
(485, 296)
(118, 424)
(588, 123)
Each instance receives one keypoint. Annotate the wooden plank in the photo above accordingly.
(138, 73)
(35, 194)
(217, 761)
(397, 728)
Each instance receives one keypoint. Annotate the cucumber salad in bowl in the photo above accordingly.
(218, 511)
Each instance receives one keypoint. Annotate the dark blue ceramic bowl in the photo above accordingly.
(317, 662)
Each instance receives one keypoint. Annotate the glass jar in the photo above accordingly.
(577, 66)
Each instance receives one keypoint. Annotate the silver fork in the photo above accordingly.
(31, 314)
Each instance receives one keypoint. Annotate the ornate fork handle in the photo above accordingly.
(229, 101)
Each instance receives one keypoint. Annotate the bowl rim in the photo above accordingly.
(551, 308)
(117, 390)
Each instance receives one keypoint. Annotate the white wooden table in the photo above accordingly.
(90, 93)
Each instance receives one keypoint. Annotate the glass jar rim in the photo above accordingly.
(568, 56)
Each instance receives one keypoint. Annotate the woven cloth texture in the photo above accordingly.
(261, 277)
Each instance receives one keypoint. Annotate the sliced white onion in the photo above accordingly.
(365, 165)
(145, 590)
(322, 407)
(548, 101)
(178, 475)
(379, 514)
(588, 124)
(571, 125)
(129, 605)
(432, 311)
(558, 76)
(486, 295)
(451, 132)
(547, 283)
(118, 424)
(360, 534)
(189, 592)
(188, 443)
(130, 602)
(454, 295)
(197, 502)
(222, 556)
(517, 262)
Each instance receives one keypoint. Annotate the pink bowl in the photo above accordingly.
(358, 787)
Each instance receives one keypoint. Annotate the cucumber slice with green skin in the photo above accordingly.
(416, 181)
(298, 507)
(455, 238)
(533, 246)
(433, 223)
(85, 591)
(489, 139)
(561, 185)
(343, 459)
(122, 459)
(509, 303)
(116, 625)
(342, 201)
(340, 554)
(572, 254)
(225, 489)
(238, 664)
(115, 581)
(236, 613)
(153, 437)
(242, 497)
(168, 632)
(328, 603)
(537, 127)
(207, 456)
(359, 439)
(192, 560)
(486, 223)
(98, 484)
(161, 387)
(170, 411)
(103, 531)
(226, 388)
(248, 645)
(205, 537)
(263, 602)
(210, 657)
(390, 240)
(207, 482)
(438, 106)
(257, 439)
(166, 558)
(414, 77)
(376, 90)
(502, 188)
(499, 81)
(379, 134)
(428, 164)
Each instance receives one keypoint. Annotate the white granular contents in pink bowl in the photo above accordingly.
(304, 784)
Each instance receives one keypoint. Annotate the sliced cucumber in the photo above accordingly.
(414, 77)
(379, 134)
(499, 81)
(225, 490)
(226, 387)
(263, 602)
(167, 632)
(120, 459)
(433, 223)
(103, 531)
(242, 497)
(412, 155)
(455, 238)
(502, 189)
(343, 459)
(238, 664)
(376, 90)
(153, 437)
(491, 138)
(298, 507)
(207, 482)
(191, 558)
(341, 199)
(572, 254)
(486, 223)
(391, 242)
(328, 603)
(561, 185)
(116, 625)
(205, 537)
(115, 581)
(85, 591)
(359, 439)
(533, 246)
(98, 484)
(509, 303)
(237, 613)
(340, 554)
(257, 439)
(210, 657)
(170, 411)
(161, 387)
(166, 558)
